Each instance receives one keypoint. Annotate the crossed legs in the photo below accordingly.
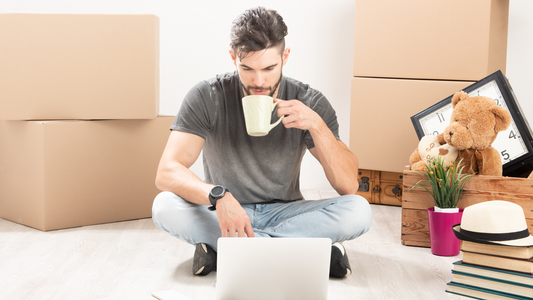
(340, 219)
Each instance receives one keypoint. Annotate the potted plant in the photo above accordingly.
(445, 183)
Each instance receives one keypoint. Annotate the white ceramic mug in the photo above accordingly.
(257, 114)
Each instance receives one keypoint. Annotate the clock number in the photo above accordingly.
(435, 132)
(441, 117)
(498, 102)
(512, 135)
(505, 155)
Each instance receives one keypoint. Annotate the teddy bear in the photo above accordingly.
(474, 125)
(429, 146)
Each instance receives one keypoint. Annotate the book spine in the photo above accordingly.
(498, 280)
(480, 293)
(498, 250)
(511, 264)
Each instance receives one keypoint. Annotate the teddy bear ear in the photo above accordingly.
(459, 96)
(502, 116)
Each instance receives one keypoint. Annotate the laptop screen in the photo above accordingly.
(273, 268)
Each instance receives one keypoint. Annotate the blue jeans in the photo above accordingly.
(340, 219)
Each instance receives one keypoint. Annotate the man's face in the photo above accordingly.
(260, 71)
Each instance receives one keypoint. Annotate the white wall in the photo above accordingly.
(520, 54)
(195, 36)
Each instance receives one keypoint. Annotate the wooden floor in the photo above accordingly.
(129, 260)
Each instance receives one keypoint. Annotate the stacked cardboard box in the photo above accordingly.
(79, 127)
(409, 55)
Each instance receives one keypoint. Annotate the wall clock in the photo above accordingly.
(514, 144)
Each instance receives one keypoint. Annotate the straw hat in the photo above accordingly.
(494, 222)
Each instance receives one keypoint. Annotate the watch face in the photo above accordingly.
(217, 191)
(515, 144)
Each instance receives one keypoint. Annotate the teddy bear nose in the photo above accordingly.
(451, 133)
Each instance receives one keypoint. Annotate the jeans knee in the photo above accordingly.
(158, 209)
(164, 206)
(158, 205)
(357, 215)
(192, 223)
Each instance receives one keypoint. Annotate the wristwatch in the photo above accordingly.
(217, 192)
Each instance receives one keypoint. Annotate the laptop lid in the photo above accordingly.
(273, 268)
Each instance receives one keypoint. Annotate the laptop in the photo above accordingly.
(273, 268)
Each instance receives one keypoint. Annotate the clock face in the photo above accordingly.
(515, 144)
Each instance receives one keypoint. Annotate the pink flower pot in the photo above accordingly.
(443, 241)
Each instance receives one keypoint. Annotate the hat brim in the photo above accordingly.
(523, 242)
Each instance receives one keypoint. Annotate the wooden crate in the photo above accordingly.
(480, 188)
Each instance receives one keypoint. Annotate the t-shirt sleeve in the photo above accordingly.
(322, 106)
(194, 114)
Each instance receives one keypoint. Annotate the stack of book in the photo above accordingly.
(490, 271)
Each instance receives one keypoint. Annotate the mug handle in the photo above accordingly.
(277, 122)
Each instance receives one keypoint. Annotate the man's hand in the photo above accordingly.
(232, 218)
(298, 115)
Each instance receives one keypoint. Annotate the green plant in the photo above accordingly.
(446, 182)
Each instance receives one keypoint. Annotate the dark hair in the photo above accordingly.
(257, 29)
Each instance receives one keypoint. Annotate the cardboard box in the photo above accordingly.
(382, 135)
(61, 174)
(420, 39)
(415, 231)
(79, 66)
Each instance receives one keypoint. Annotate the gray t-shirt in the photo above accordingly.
(254, 169)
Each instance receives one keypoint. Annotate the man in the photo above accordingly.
(251, 186)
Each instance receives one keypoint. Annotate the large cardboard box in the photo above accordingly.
(382, 135)
(420, 39)
(480, 188)
(78, 66)
(60, 174)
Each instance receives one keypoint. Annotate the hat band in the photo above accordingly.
(497, 236)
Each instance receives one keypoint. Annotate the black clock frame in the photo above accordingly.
(518, 167)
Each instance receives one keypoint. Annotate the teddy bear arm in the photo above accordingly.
(415, 157)
(418, 166)
(492, 163)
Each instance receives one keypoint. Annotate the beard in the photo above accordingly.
(271, 89)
